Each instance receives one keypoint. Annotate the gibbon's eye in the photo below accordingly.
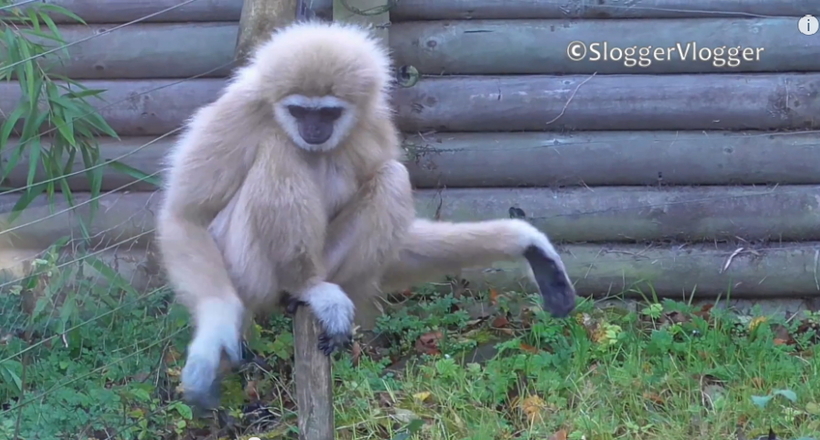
(297, 112)
(330, 114)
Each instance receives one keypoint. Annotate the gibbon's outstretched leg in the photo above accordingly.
(432, 249)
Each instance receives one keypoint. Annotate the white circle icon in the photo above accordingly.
(808, 25)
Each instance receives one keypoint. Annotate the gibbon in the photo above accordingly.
(292, 181)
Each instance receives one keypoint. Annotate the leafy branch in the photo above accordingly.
(53, 120)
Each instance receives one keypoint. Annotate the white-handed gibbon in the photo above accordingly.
(292, 181)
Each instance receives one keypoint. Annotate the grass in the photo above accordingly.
(475, 367)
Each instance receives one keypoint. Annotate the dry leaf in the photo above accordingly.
(355, 352)
(559, 435)
(757, 321)
(171, 356)
(428, 343)
(385, 400)
(493, 297)
(758, 382)
(251, 391)
(705, 311)
(422, 396)
(528, 348)
(655, 398)
(500, 322)
(532, 407)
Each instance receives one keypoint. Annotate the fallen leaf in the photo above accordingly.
(705, 312)
(655, 398)
(757, 321)
(171, 356)
(528, 348)
(500, 322)
(674, 317)
(758, 382)
(493, 297)
(428, 343)
(532, 407)
(251, 391)
(385, 400)
(422, 396)
(355, 352)
(559, 435)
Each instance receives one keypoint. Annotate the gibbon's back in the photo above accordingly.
(344, 60)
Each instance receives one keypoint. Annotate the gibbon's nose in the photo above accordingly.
(315, 134)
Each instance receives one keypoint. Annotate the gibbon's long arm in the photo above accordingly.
(432, 249)
(370, 227)
(205, 174)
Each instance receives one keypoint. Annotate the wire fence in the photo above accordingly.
(62, 316)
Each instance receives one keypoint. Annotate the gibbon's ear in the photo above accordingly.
(553, 282)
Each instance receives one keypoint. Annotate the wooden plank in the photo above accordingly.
(258, 21)
(612, 158)
(376, 15)
(123, 11)
(528, 9)
(138, 107)
(513, 103)
(142, 51)
(629, 214)
(143, 153)
(314, 381)
(610, 102)
(603, 46)
(603, 214)
(777, 270)
(314, 378)
(453, 160)
(783, 270)
(122, 219)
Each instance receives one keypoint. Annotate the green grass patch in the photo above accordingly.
(474, 367)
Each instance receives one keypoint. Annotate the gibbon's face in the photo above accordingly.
(315, 124)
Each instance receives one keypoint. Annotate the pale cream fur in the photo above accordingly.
(251, 211)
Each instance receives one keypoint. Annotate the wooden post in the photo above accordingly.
(312, 372)
(259, 18)
(375, 13)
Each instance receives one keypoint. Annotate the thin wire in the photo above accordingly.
(107, 31)
(15, 5)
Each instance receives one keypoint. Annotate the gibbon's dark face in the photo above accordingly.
(315, 123)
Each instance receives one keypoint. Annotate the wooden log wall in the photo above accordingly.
(648, 168)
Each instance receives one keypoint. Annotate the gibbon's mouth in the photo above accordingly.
(556, 291)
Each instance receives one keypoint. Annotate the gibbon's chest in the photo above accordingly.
(337, 183)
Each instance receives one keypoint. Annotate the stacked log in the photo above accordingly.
(692, 175)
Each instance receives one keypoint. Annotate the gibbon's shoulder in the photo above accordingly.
(322, 58)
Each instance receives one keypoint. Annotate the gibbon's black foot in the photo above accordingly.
(291, 304)
(330, 342)
(557, 292)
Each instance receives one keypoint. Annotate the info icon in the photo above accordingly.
(808, 25)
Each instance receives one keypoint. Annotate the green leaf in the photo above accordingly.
(761, 401)
(9, 123)
(34, 160)
(63, 11)
(135, 173)
(111, 275)
(31, 193)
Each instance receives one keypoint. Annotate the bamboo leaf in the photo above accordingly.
(135, 173)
